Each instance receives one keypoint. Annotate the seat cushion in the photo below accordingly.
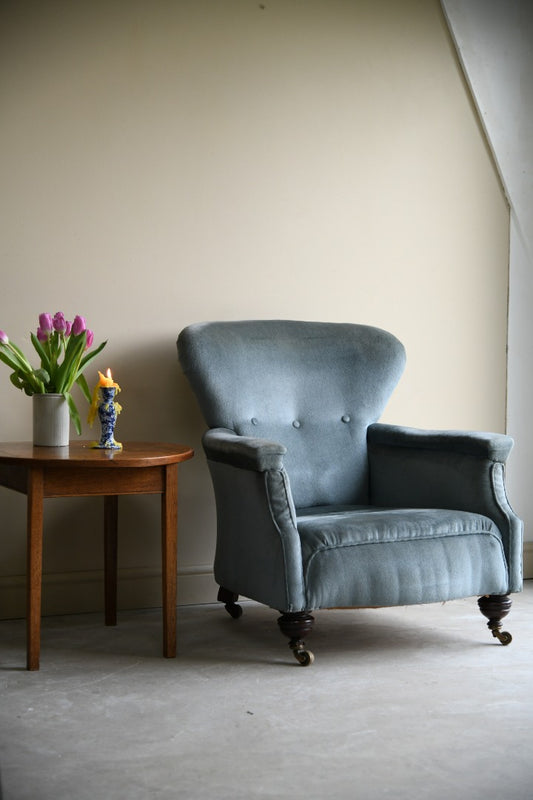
(361, 555)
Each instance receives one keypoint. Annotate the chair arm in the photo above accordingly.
(435, 469)
(494, 446)
(226, 446)
(258, 550)
(461, 470)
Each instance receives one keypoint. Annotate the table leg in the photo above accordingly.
(34, 566)
(169, 531)
(110, 558)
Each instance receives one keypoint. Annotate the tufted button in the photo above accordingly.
(346, 418)
(254, 421)
(296, 423)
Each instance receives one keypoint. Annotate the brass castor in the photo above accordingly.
(495, 608)
(304, 657)
(504, 636)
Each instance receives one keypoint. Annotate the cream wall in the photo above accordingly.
(169, 162)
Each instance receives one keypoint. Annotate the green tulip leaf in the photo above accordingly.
(74, 414)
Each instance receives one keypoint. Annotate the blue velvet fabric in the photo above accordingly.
(319, 504)
(380, 556)
(258, 552)
(312, 387)
(447, 469)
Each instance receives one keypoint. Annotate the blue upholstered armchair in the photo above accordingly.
(318, 504)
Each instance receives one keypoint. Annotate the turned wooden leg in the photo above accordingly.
(34, 568)
(110, 558)
(230, 601)
(495, 607)
(296, 626)
(169, 557)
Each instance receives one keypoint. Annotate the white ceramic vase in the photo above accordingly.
(51, 420)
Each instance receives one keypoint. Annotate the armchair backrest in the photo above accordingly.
(312, 386)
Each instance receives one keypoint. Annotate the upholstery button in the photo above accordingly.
(296, 423)
(346, 418)
(254, 421)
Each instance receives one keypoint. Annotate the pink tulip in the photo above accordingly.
(69, 328)
(59, 322)
(4, 338)
(46, 323)
(78, 326)
(42, 335)
(90, 338)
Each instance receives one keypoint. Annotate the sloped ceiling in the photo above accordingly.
(494, 41)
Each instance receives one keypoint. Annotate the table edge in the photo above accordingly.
(80, 453)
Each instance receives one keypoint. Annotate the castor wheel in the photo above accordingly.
(304, 657)
(296, 625)
(234, 610)
(495, 608)
(504, 637)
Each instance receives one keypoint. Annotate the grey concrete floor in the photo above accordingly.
(417, 702)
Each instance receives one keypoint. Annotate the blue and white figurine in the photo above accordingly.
(108, 409)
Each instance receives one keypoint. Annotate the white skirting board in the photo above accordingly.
(83, 592)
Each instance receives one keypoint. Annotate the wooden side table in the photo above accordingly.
(80, 471)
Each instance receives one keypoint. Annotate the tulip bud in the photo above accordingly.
(90, 338)
(42, 335)
(59, 322)
(46, 323)
(4, 339)
(78, 326)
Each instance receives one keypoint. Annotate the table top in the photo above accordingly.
(82, 454)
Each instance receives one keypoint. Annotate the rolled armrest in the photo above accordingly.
(255, 515)
(435, 469)
(226, 446)
(492, 446)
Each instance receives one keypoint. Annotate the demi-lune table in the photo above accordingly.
(81, 471)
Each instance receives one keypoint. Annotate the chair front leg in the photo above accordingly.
(296, 626)
(495, 607)
(230, 602)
